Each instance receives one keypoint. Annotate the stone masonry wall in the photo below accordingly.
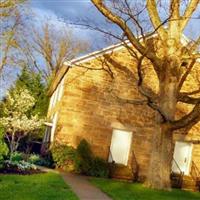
(89, 109)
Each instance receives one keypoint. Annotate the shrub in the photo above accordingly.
(87, 164)
(16, 156)
(99, 168)
(34, 159)
(37, 160)
(18, 165)
(63, 155)
(3, 146)
(84, 158)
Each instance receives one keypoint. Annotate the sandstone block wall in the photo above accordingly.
(89, 109)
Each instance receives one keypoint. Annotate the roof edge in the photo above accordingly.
(66, 64)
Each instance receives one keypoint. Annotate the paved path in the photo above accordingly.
(83, 188)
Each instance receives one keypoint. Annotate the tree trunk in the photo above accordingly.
(161, 158)
(162, 140)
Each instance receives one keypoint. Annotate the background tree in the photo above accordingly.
(17, 121)
(3, 146)
(12, 17)
(46, 50)
(33, 82)
(167, 54)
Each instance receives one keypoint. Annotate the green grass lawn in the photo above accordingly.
(119, 190)
(48, 186)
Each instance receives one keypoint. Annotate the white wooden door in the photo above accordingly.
(182, 156)
(120, 146)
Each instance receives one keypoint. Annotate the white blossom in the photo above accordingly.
(17, 119)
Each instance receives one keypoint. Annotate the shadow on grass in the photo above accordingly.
(119, 190)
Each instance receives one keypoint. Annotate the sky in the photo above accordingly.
(75, 10)
(65, 12)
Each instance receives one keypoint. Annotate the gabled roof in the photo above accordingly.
(61, 73)
(66, 64)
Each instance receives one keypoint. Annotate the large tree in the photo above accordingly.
(12, 17)
(172, 62)
(46, 50)
(33, 82)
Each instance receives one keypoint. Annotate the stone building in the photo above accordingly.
(85, 104)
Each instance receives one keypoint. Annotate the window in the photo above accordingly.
(47, 135)
(54, 123)
(182, 157)
(61, 87)
(56, 96)
(51, 101)
(120, 146)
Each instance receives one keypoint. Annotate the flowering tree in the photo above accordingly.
(17, 120)
(3, 146)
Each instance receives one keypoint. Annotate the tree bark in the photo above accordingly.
(162, 140)
(161, 158)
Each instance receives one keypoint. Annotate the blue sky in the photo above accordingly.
(73, 10)
(63, 12)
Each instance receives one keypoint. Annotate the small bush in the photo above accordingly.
(63, 155)
(34, 158)
(3, 147)
(99, 168)
(84, 158)
(16, 156)
(3, 151)
(38, 160)
(18, 165)
(87, 164)
(47, 160)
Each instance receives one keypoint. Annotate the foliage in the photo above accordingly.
(18, 166)
(38, 160)
(63, 155)
(100, 167)
(17, 120)
(84, 158)
(16, 156)
(12, 19)
(33, 158)
(46, 186)
(87, 164)
(120, 190)
(3, 146)
(33, 83)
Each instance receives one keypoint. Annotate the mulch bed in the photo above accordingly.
(20, 172)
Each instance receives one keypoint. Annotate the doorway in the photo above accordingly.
(182, 157)
(120, 146)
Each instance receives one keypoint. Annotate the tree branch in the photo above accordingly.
(155, 19)
(174, 8)
(187, 99)
(188, 13)
(125, 28)
(131, 101)
(184, 77)
(188, 120)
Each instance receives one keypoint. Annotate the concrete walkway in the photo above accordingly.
(83, 188)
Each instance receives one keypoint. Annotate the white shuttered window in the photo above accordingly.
(54, 123)
(120, 146)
